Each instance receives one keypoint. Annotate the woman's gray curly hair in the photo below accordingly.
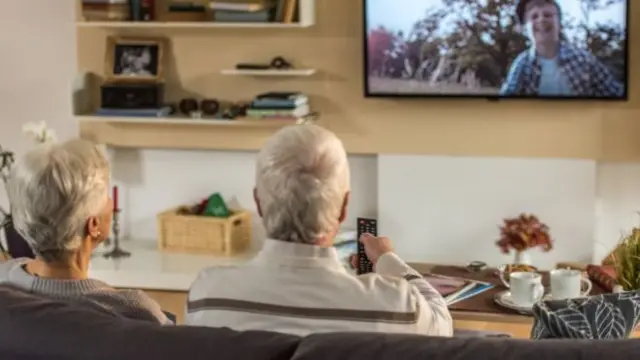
(53, 190)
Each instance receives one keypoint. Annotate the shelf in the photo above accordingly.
(186, 25)
(152, 121)
(286, 72)
(180, 133)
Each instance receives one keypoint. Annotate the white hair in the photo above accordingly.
(53, 190)
(302, 179)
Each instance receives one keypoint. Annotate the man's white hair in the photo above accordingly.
(302, 179)
(53, 190)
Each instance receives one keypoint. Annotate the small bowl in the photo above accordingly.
(476, 266)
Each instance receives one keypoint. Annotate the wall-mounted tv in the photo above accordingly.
(566, 49)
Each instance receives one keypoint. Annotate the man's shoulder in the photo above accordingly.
(390, 292)
(576, 54)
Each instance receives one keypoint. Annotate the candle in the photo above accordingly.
(115, 198)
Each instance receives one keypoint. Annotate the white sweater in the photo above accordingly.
(301, 289)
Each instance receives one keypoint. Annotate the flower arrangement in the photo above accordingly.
(522, 233)
(40, 134)
(626, 261)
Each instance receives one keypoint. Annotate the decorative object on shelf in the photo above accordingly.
(132, 95)
(135, 59)
(521, 234)
(626, 261)
(106, 10)
(277, 63)
(117, 252)
(134, 73)
(16, 245)
(210, 107)
(209, 226)
(188, 105)
(186, 12)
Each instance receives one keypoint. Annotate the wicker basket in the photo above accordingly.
(203, 234)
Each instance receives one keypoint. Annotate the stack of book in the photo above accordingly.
(455, 289)
(279, 105)
(246, 11)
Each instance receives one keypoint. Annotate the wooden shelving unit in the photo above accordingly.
(306, 18)
(186, 25)
(151, 121)
(175, 132)
(283, 73)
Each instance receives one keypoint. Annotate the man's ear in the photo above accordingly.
(343, 211)
(257, 201)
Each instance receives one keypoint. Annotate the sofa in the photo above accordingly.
(35, 327)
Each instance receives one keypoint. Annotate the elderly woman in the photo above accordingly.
(60, 204)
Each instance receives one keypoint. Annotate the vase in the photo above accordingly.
(17, 246)
(521, 258)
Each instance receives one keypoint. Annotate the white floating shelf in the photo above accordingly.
(286, 72)
(187, 25)
(154, 121)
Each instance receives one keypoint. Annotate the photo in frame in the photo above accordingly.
(134, 59)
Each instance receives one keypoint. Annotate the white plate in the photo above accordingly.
(503, 299)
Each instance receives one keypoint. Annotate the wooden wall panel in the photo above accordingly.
(579, 129)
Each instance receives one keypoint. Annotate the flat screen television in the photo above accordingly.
(553, 49)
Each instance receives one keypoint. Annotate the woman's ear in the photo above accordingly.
(93, 229)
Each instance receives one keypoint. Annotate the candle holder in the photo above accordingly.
(117, 252)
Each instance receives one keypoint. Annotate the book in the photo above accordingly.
(478, 288)
(241, 6)
(603, 275)
(449, 287)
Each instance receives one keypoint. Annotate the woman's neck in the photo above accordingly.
(74, 269)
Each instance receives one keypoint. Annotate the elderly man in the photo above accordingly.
(552, 67)
(297, 283)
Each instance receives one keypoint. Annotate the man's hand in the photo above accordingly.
(374, 247)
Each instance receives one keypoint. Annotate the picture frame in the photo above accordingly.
(135, 59)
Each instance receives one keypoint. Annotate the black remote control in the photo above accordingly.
(365, 226)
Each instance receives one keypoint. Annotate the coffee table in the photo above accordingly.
(482, 308)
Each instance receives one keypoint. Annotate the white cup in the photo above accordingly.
(567, 284)
(526, 288)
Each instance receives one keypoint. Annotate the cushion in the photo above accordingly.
(607, 316)
(37, 327)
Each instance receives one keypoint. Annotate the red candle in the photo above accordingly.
(115, 198)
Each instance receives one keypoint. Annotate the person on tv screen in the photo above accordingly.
(552, 66)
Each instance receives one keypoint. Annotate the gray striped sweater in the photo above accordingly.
(132, 304)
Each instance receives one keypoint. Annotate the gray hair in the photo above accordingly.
(302, 178)
(53, 190)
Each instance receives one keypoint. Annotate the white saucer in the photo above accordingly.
(503, 299)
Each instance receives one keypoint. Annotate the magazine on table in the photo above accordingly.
(455, 289)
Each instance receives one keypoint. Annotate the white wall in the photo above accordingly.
(37, 66)
(448, 209)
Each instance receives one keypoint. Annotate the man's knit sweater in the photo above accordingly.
(131, 304)
(302, 289)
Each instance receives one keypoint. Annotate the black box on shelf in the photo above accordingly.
(126, 95)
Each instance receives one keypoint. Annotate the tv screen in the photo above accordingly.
(496, 48)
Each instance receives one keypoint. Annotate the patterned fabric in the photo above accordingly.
(607, 316)
(586, 74)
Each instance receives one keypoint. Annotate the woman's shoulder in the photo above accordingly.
(132, 303)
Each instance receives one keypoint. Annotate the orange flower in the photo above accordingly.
(522, 233)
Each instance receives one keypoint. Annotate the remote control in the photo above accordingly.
(365, 226)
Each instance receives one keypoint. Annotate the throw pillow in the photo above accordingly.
(607, 316)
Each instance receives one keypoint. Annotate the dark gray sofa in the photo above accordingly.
(33, 327)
